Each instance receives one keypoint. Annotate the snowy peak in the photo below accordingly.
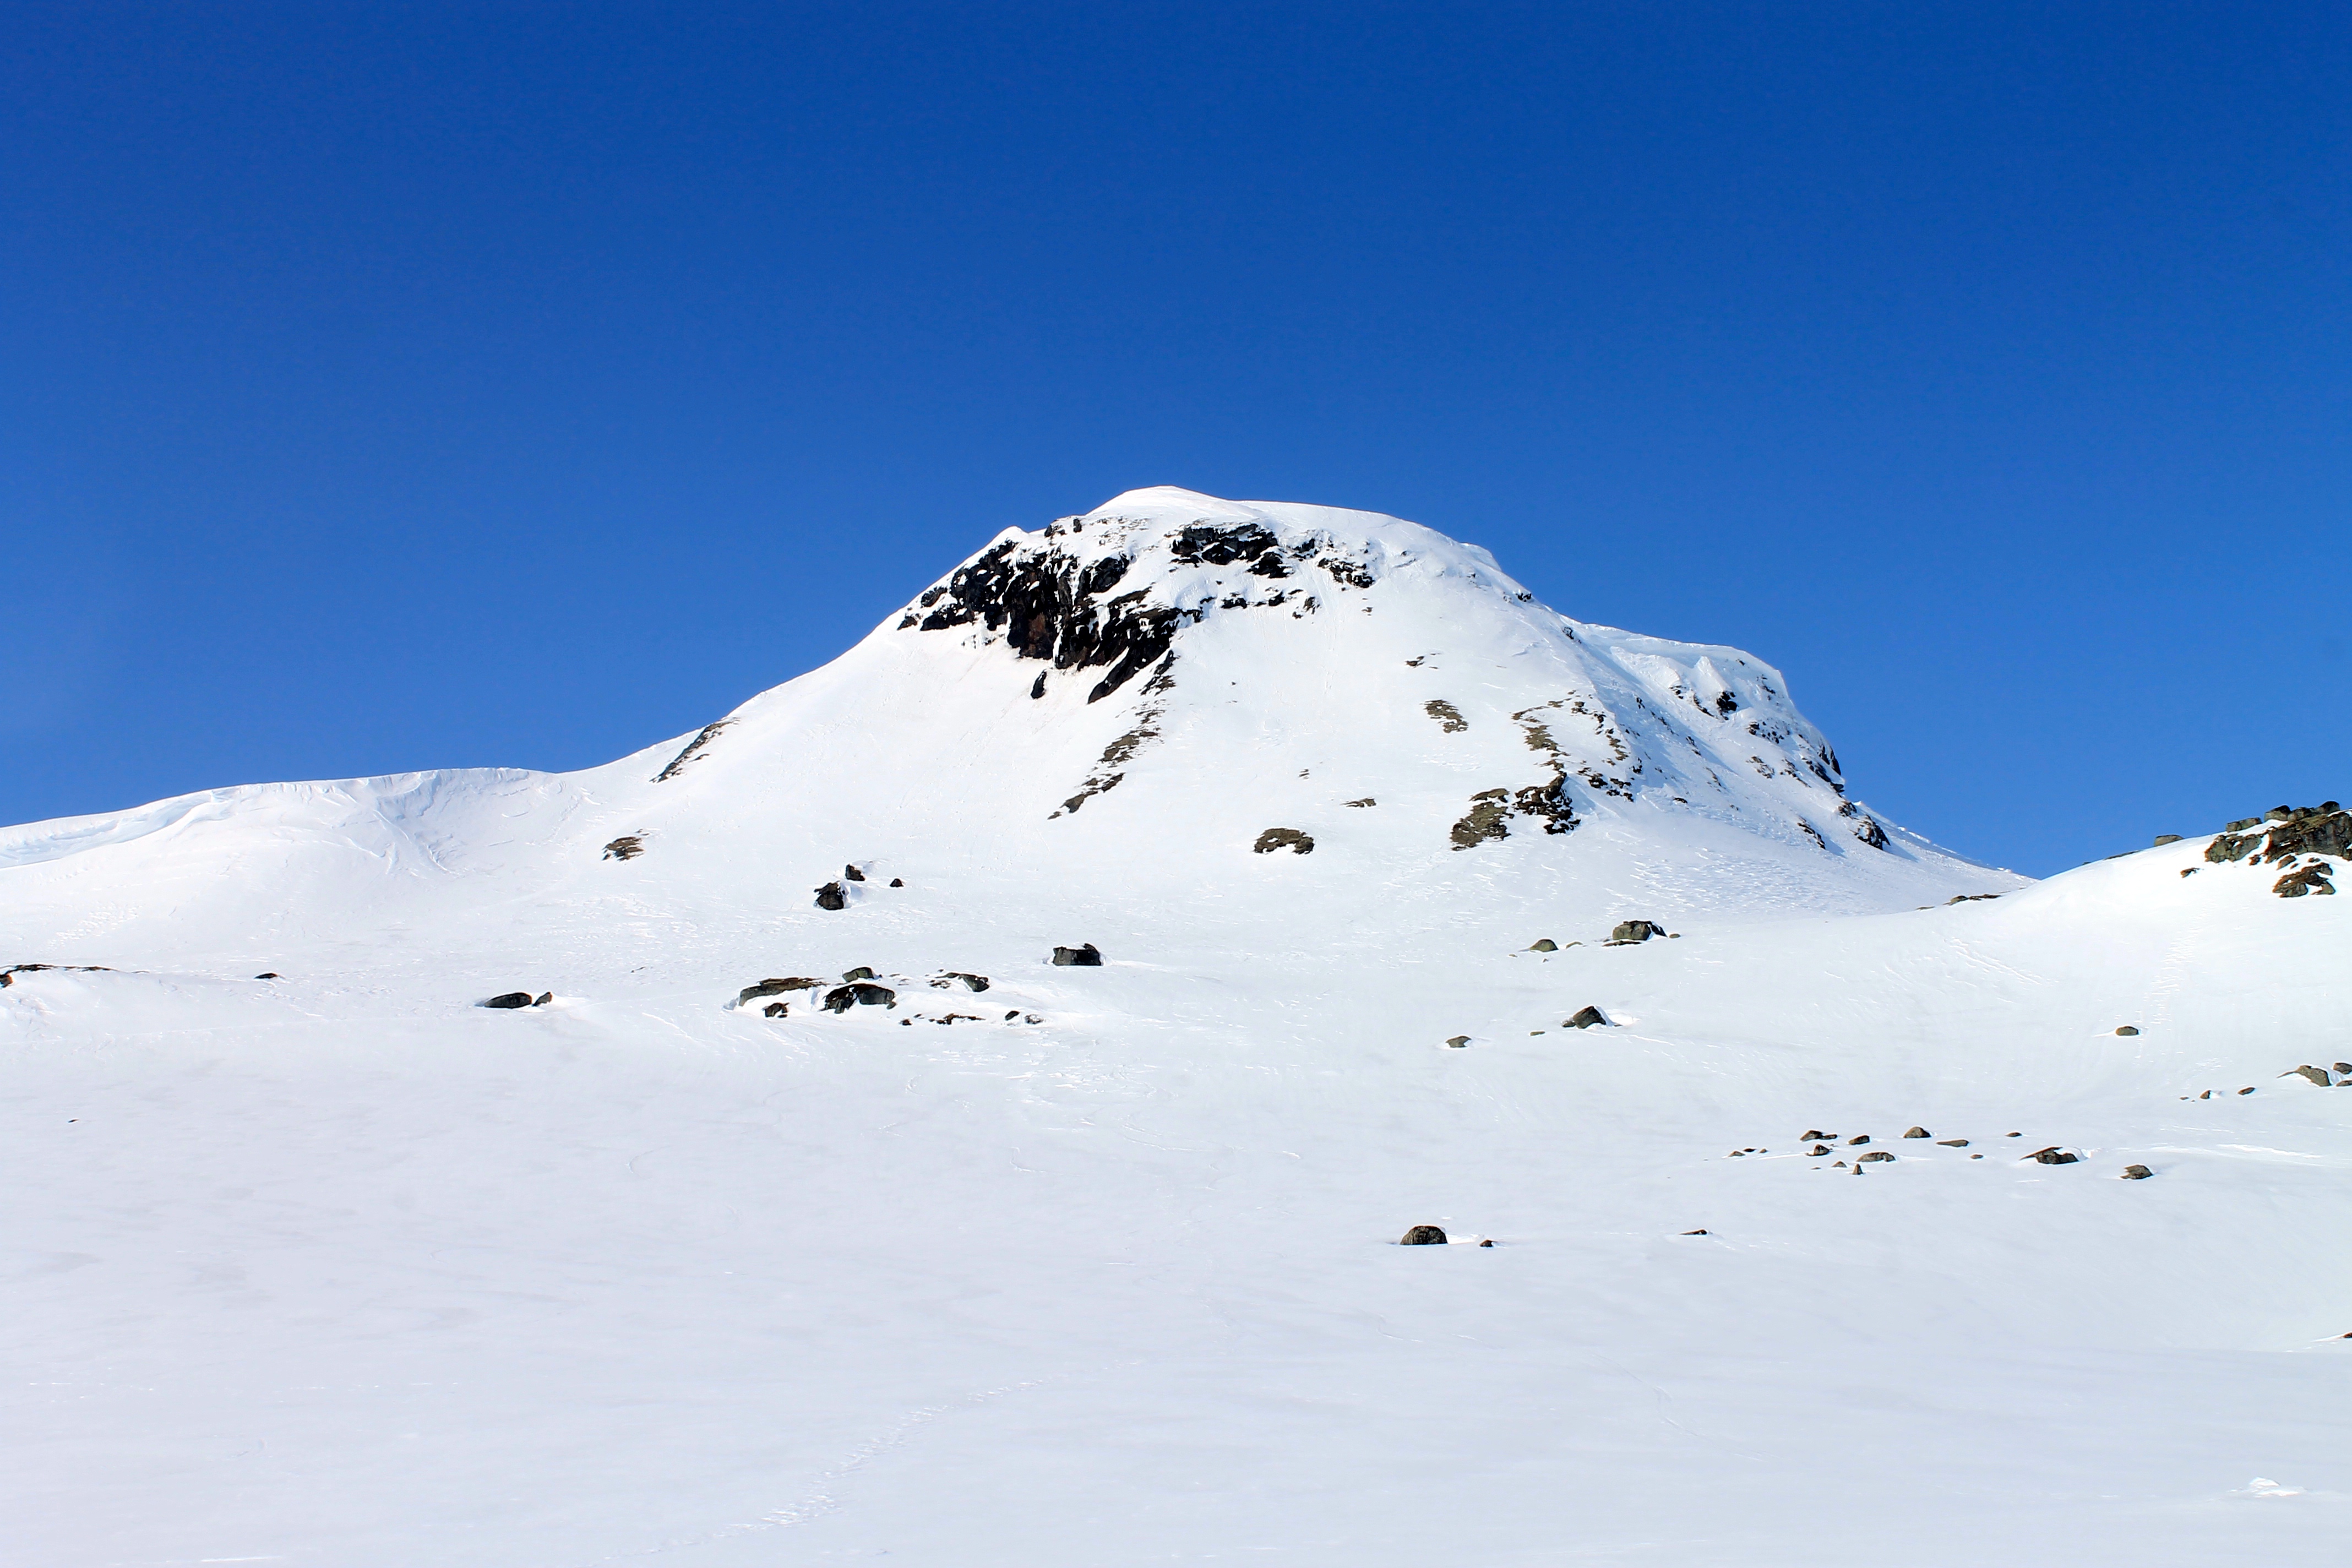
(1592, 719)
(1109, 590)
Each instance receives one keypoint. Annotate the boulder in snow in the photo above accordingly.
(776, 986)
(1290, 838)
(833, 896)
(1589, 1017)
(508, 1000)
(1423, 1236)
(1087, 957)
(842, 998)
(1635, 930)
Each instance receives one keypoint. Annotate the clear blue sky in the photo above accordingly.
(391, 388)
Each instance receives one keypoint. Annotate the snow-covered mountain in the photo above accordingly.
(808, 1210)
(1121, 703)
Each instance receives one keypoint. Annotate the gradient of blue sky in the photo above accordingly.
(395, 387)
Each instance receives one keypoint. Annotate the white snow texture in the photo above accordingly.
(1100, 1265)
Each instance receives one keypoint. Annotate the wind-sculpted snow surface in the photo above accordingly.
(962, 1106)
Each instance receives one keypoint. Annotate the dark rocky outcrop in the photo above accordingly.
(1447, 714)
(2311, 878)
(2316, 1075)
(1212, 544)
(1368, 800)
(1918, 1133)
(1548, 804)
(628, 846)
(694, 749)
(1543, 945)
(861, 973)
(1459, 1042)
(957, 977)
(775, 1010)
(2164, 838)
(2136, 1173)
(2053, 1155)
(842, 998)
(1290, 838)
(544, 999)
(1635, 930)
(1588, 1018)
(1086, 957)
(1870, 833)
(2315, 830)
(2282, 836)
(833, 896)
(1423, 1236)
(1485, 820)
(1859, 1138)
(853, 873)
(507, 1000)
(896, 882)
(1873, 1157)
(776, 986)
(269, 974)
(1047, 605)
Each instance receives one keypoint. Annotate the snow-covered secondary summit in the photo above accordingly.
(963, 1104)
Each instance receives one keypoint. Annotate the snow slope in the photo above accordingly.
(341, 1269)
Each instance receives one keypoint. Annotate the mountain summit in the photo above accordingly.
(1130, 702)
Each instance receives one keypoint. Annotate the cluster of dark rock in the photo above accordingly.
(862, 987)
(1823, 1145)
(836, 895)
(2343, 1078)
(1290, 838)
(1430, 1236)
(507, 1001)
(2296, 839)
(628, 846)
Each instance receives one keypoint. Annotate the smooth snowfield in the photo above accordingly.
(341, 1269)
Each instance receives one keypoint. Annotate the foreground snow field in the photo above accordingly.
(341, 1269)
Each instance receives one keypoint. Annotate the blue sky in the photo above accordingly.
(396, 387)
